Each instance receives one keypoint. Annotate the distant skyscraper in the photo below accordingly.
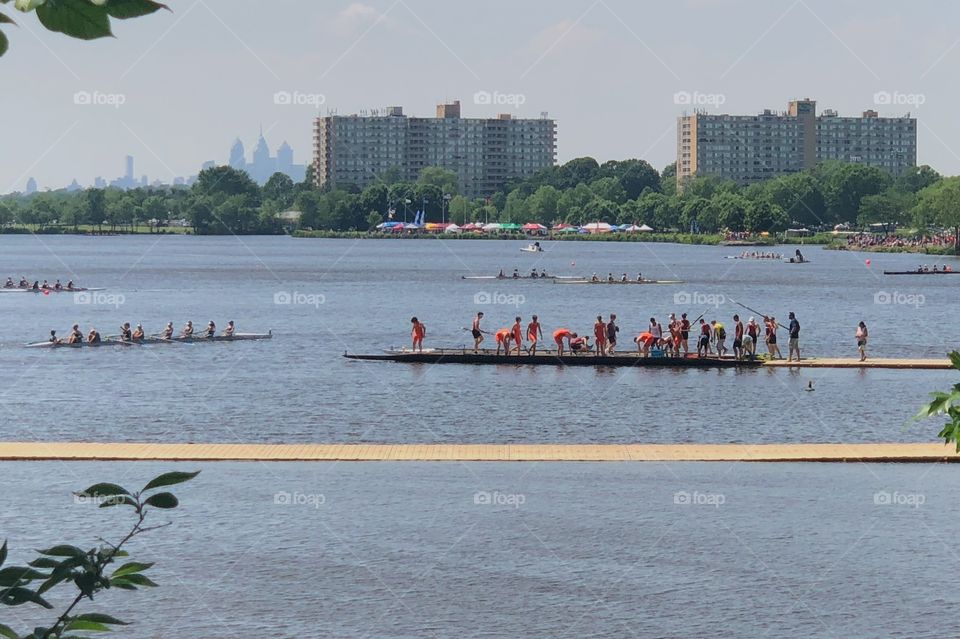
(264, 165)
(127, 181)
(73, 186)
(285, 158)
(238, 158)
(99, 183)
(129, 173)
(209, 164)
(31, 186)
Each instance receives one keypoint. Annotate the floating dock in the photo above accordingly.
(880, 452)
(550, 358)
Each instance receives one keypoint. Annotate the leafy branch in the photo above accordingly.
(87, 569)
(947, 405)
(84, 19)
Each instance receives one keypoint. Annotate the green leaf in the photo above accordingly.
(99, 617)
(169, 479)
(44, 562)
(64, 550)
(18, 596)
(4, 43)
(3, 552)
(123, 9)
(53, 581)
(14, 574)
(129, 581)
(76, 18)
(130, 568)
(6, 19)
(7, 632)
(118, 500)
(955, 359)
(93, 626)
(162, 500)
(103, 490)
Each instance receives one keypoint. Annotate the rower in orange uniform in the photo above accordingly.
(502, 337)
(559, 335)
(600, 335)
(534, 333)
(419, 330)
(517, 335)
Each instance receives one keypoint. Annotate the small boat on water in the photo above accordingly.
(532, 248)
(75, 289)
(918, 272)
(487, 356)
(644, 281)
(154, 339)
(794, 260)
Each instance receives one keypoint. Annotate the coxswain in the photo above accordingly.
(231, 328)
(57, 286)
(126, 335)
(76, 335)
(211, 329)
(600, 336)
(417, 334)
(93, 337)
(503, 337)
(9, 283)
(137, 335)
(559, 335)
(168, 331)
(187, 329)
(476, 332)
(53, 338)
(799, 256)
(534, 334)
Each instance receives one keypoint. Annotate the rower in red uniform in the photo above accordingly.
(503, 337)
(418, 332)
(534, 334)
(517, 335)
(600, 335)
(559, 335)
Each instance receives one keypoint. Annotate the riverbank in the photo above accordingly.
(930, 249)
(87, 229)
(77, 451)
(673, 238)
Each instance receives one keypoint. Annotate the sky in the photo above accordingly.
(174, 89)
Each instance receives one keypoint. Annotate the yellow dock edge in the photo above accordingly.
(865, 452)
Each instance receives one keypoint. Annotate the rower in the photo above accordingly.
(594, 278)
(211, 329)
(70, 285)
(500, 275)
(125, 334)
(558, 337)
(623, 278)
(516, 274)
(36, 285)
(533, 274)
(610, 277)
(45, 286)
(9, 283)
(138, 333)
(640, 277)
(53, 338)
(799, 256)
(57, 286)
(187, 329)
(543, 272)
(23, 283)
(76, 336)
(503, 337)
(168, 331)
(93, 337)
(228, 331)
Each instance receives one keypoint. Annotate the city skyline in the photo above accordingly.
(613, 75)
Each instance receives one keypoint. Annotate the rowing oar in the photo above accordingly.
(753, 310)
(464, 328)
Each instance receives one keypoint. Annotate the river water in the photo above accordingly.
(360, 295)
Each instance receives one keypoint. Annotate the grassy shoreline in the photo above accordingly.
(675, 238)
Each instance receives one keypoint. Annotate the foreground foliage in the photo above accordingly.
(946, 405)
(89, 571)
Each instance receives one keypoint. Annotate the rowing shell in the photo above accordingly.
(618, 282)
(50, 290)
(519, 277)
(921, 272)
(237, 337)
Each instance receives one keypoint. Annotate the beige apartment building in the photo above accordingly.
(483, 152)
(751, 148)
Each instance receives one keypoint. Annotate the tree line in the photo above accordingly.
(225, 200)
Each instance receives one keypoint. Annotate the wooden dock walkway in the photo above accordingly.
(879, 452)
(836, 362)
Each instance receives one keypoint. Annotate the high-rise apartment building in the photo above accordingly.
(483, 152)
(750, 148)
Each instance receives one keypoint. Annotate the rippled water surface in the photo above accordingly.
(360, 295)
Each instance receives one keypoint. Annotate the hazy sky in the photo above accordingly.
(606, 70)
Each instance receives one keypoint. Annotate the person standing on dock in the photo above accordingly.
(600, 336)
(794, 344)
(703, 343)
(559, 335)
(685, 333)
(534, 334)
(753, 332)
(477, 333)
(612, 330)
(862, 334)
(517, 335)
(771, 337)
(657, 331)
(417, 334)
(737, 337)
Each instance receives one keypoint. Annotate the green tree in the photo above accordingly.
(916, 178)
(280, 190)
(544, 204)
(763, 215)
(573, 204)
(461, 210)
(609, 188)
(939, 204)
(441, 178)
(668, 179)
(633, 175)
(374, 219)
(800, 197)
(892, 205)
(844, 185)
(89, 573)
